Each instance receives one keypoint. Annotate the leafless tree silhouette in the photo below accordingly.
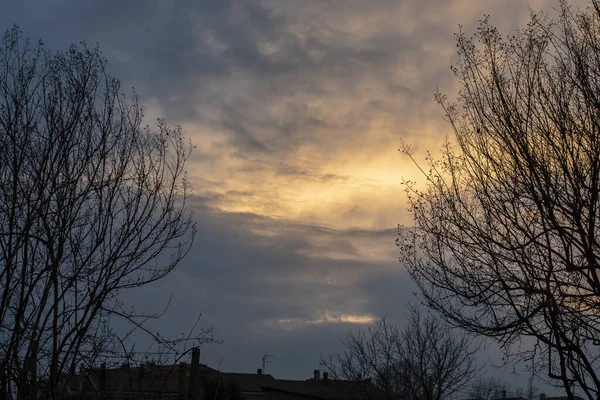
(424, 361)
(487, 389)
(91, 204)
(505, 240)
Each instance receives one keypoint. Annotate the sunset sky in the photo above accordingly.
(297, 109)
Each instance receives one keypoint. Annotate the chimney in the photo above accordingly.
(259, 371)
(103, 378)
(325, 377)
(542, 396)
(193, 386)
(181, 395)
(504, 394)
(317, 374)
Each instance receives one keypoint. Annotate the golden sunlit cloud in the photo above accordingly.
(335, 190)
(322, 319)
(314, 136)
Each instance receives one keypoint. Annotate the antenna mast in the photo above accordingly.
(265, 361)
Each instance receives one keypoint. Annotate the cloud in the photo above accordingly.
(297, 109)
(300, 104)
(271, 285)
(320, 319)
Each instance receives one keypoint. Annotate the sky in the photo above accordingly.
(297, 109)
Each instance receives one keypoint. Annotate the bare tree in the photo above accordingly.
(218, 388)
(424, 361)
(496, 389)
(505, 242)
(487, 389)
(91, 204)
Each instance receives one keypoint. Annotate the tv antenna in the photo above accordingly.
(322, 365)
(265, 361)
